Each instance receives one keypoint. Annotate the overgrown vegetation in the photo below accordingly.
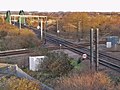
(56, 65)
(13, 38)
(57, 69)
(86, 81)
(74, 25)
(14, 83)
(63, 73)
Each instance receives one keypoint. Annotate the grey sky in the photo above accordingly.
(60, 5)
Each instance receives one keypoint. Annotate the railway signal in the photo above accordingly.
(58, 32)
(84, 56)
(38, 27)
(60, 46)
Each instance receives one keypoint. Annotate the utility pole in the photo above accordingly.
(41, 29)
(96, 49)
(10, 19)
(78, 31)
(14, 20)
(45, 30)
(60, 46)
(82, 28)
(58, 31)
(91, 48)
(57, 24)
(20, 22)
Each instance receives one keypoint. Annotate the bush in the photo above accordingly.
(29, 42)
(86, 81)
(11, 30)
(56, 65)
(18, 42)
(26, 32)
(16, 39)
(1, 19)
(3, 34)
(14, 83)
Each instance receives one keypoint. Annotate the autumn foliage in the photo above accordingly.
(14, 83)
(11, 30)
(31, 22)
(82, 22)
(85, 81)
(13, 38)
(1, 19)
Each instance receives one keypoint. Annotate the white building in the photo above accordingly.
(34, 61)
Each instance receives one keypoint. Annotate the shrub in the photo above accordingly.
(18, 42)
(56, 65)
(14, 83)
(28, 39)
(15, 38)
(26, 32)
(3, 34)
(11, 30)
(35, 24)
(1, 19)
(86, 81)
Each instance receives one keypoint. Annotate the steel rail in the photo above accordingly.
(13, 52)
(78, 51)
(68, 44)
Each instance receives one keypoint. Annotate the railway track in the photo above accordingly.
(104, 59)
(13, 52)
(82, 50)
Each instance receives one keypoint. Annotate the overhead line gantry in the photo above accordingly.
(10, 16)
